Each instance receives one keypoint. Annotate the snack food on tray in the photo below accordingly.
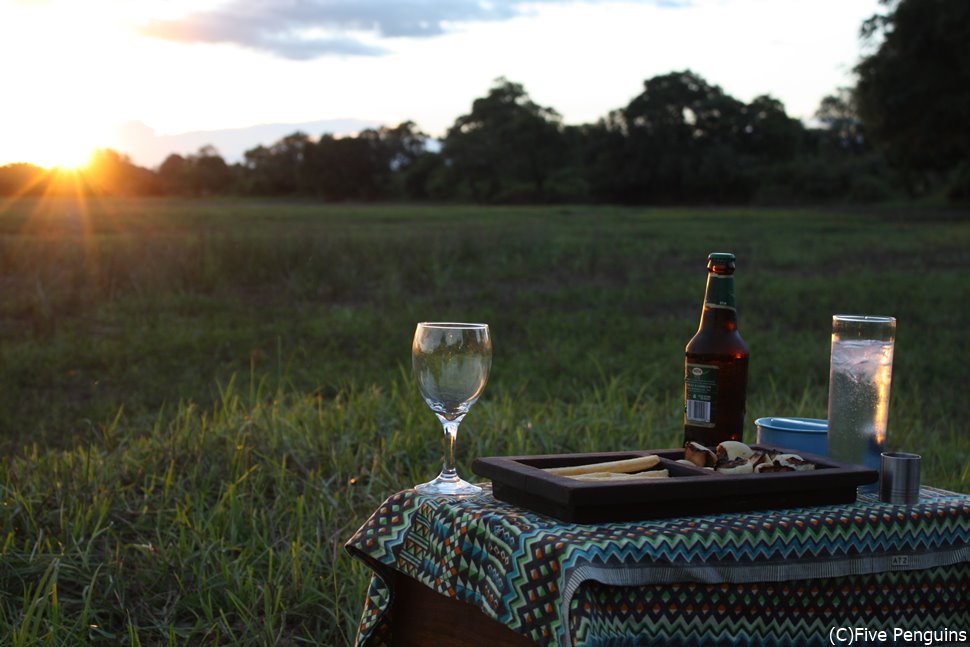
(626, 466)
(733, 457)
(729, 457)
(619, 476)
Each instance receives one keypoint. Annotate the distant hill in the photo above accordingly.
(148, 149)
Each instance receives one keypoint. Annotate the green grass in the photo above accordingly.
(201, 401)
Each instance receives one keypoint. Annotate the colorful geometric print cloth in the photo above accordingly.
(776, 577)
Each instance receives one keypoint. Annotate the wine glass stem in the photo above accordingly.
(448, 470)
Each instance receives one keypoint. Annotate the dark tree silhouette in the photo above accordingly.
(681, 140)
(209, 173)
(684, 140)
(174, 173)
(506, 141)
(913, 91)
(278, 169)
(843, 127)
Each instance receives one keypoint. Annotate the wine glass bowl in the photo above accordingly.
(451, 362)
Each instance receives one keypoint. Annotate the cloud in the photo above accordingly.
(306, 29)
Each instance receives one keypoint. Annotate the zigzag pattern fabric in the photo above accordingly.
(802, 612)
(771, 577)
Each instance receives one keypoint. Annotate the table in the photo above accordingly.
(772, 577)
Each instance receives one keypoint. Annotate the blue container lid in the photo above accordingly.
(795, 425)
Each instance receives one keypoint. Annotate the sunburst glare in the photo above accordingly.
(64, 154)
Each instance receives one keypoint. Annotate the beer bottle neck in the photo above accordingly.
(720, 310)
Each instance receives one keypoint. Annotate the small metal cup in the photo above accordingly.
(899, 477)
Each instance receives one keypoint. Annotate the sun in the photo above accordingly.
(60, 48)
(62, 154)
(75, 159)
(61, 145)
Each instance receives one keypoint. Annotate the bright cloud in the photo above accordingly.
(307, 29)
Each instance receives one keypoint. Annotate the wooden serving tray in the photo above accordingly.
(689, 491)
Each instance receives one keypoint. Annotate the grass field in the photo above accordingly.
(201, 401)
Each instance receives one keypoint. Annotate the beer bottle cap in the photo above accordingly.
(721, 263)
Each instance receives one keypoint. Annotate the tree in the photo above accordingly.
(110, 172)
(507, 141)
(404, 150)
(683, 139)
(913, 91)
(174, 173)
(769, 134)
(845, 130)
(279, 169)
(203, 173)
(209, 172)
(258, 176)
(676, 141)
(343, 168)
(402, 145)
(358, 167)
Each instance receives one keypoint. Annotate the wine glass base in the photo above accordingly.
(448, 487)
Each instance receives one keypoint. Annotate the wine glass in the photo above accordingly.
(451, 363)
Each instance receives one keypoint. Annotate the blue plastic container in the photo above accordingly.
(803, 434)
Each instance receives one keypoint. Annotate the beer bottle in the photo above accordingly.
(716, 365)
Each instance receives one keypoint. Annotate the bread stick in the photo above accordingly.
(627, 466)
(616, 476)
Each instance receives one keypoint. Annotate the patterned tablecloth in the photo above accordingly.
(774, 577)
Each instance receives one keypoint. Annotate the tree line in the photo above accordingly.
(903, 130)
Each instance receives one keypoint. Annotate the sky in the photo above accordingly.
(150, 77)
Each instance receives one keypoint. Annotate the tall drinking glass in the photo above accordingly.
(451, 363)
(859, 379)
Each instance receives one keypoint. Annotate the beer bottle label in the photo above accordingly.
(701, 382)
(720, 292)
